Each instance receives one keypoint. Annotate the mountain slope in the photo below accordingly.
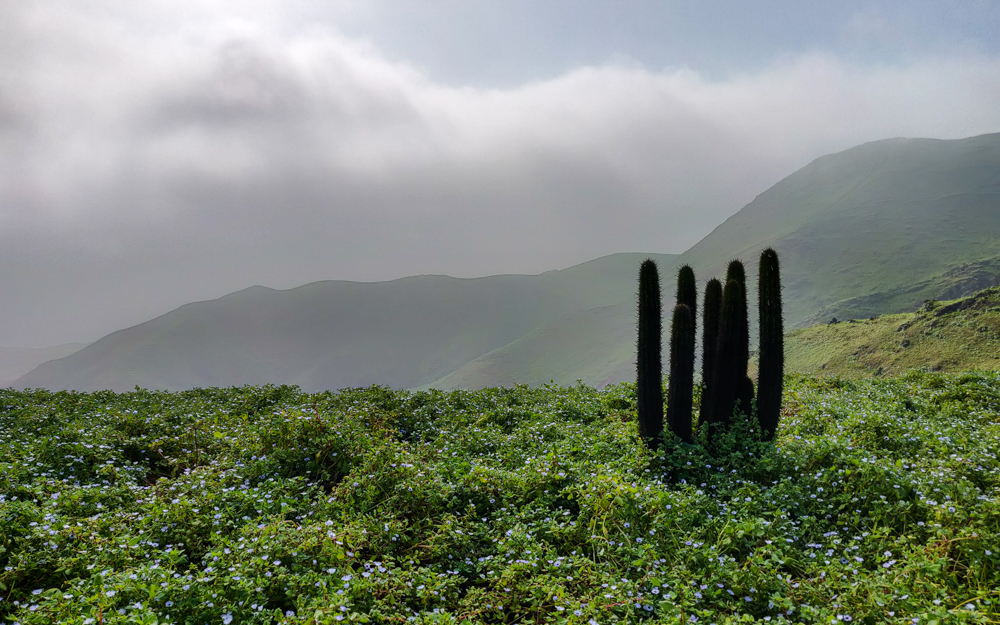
(404, 333)
(16, 361)
(957, 282)
(596, 346)
(875, 217)
(869, 230)
(952, 335)
(877, 228)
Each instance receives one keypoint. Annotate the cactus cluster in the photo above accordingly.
(726, 387)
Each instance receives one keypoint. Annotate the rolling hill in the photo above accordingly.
(878, 228)
(874, 229)
(871, 219)
(596, 346)
(403, 333)
(954, 335)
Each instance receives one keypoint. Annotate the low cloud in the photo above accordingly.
(143, 166)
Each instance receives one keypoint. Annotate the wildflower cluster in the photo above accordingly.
(879, 501)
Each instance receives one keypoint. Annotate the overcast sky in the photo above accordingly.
(154, 153)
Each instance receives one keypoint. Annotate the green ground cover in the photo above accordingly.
(879, 502)
(955, 335)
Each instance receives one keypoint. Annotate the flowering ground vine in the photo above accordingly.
(878, 502)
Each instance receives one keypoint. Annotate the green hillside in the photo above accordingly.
(954, 283)
(871, 230)
(870, 219)
(596, 346)
(955, 335)
(404, 333)
(877, 228)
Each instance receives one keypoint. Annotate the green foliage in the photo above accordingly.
(956, 335)
(680, 391)
(771, 354)
(649, 368)
(878, 502)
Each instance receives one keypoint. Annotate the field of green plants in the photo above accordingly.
(878, 502)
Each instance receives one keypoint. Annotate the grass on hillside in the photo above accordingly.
(880, 502)
(955, 335)
(955, 283)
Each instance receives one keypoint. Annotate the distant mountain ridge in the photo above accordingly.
(865, 230)
(403, 333)
(954, 283)
(16, 361)
(874, 229)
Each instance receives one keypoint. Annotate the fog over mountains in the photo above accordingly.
(873, 229)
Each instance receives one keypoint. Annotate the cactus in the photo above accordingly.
(709, 337)
(726, 373)
(679, 394)
(736, 272)
(648, 383)
(744, 396)
(687, 292)
(771, 351)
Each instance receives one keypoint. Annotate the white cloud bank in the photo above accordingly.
(148, 158)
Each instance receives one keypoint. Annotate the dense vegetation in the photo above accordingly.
(879, 501)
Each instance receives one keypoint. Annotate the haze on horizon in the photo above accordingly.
(157, 153)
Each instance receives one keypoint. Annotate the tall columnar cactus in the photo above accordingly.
(679, 393)
(709, 337)
(771, 352)
(744, 395)
(726, 373)
(736, 272)
(649, 376)
(687, 292)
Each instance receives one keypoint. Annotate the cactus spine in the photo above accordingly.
(771, 352)
(679, 394)
(709, 337)
(649, 388)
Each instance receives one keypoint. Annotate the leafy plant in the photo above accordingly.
(877, 502)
